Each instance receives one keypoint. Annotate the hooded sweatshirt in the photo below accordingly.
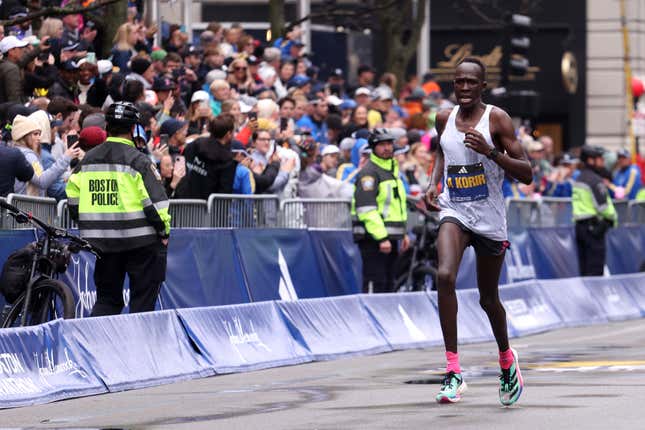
(210, 168)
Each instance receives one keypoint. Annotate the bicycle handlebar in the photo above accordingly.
(49, 230)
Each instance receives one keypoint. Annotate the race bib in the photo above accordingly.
(467, 183)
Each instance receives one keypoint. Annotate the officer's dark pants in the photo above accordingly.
(590, 239)
(146, 269)
(378, 268)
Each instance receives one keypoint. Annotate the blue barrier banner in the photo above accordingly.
(472, 322)
(405, 320)
(467, 276)
(340, 261)
(635, 285)
(528, 309)
(573, 302)
(626, 249)
(137, 350)
(519, 264)
(203, 270)
(242, 337)
(554, 252)
(279, 264)
(333, 327)
(613, 297)
(39, 365)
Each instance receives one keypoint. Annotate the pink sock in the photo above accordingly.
(506, 359)
(453, 362)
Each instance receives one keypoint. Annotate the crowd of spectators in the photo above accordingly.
(225, 113)
(553, 175)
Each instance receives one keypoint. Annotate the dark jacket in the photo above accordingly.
(264, 181)
(65, 89)
(210, 168)
(11, 78)
(13, 164)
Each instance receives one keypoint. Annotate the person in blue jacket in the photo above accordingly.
(627, 177)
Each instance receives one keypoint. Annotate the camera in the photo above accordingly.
(302, 144)
(179, 72)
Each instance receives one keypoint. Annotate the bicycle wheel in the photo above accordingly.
(50, 299)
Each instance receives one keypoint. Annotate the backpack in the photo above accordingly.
(16, 272)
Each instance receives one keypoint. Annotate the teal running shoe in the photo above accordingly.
(452, 387)
(511, 383)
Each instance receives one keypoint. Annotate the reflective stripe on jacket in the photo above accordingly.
(591, 198)
(117, 197)
(379, 203)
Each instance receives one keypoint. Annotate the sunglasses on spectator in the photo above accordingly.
(237, 69)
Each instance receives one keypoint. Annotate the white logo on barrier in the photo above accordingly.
(11, 365)
(238, 335)
(611, 294)
(285, 289)
(516, 307)
(86, 297)
(415, 332)
(47, 365)
(516, 270)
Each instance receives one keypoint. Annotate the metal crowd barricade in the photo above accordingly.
(3, 215)
(243, 211)
(636, 210)
(64, 220)
(188, 213)
(522, 213)
(316, 214)
(556, 212)
(41, 207)
(622, 210)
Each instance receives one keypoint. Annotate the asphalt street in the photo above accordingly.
(580, 378)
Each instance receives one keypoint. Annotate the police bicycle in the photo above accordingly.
(418, 265)
(36, 295)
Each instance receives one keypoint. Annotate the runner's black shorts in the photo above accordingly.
(481, 244)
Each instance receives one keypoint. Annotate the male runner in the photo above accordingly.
(477, 148)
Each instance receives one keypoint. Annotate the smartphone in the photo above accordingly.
(253, 116)
(91, 57)
(71, 140)
(163, 139)
(180, 161)
(271, 150)
(284, 123)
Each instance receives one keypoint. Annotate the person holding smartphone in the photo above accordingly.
(26, 134)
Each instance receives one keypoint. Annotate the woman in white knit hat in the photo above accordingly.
(26, 133)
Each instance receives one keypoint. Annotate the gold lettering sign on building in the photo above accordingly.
(455, 52)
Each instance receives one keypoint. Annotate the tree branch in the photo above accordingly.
(340, 13)
(477, 11)
(56, 11)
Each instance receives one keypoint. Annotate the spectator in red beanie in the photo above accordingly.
(91, 137)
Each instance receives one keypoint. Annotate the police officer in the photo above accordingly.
(380, 213)
(116, 195)
(593, 212)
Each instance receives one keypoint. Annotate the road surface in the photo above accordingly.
(580, 378)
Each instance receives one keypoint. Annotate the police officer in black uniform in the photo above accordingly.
(116, 195)
(593, 212)
(380, 212)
